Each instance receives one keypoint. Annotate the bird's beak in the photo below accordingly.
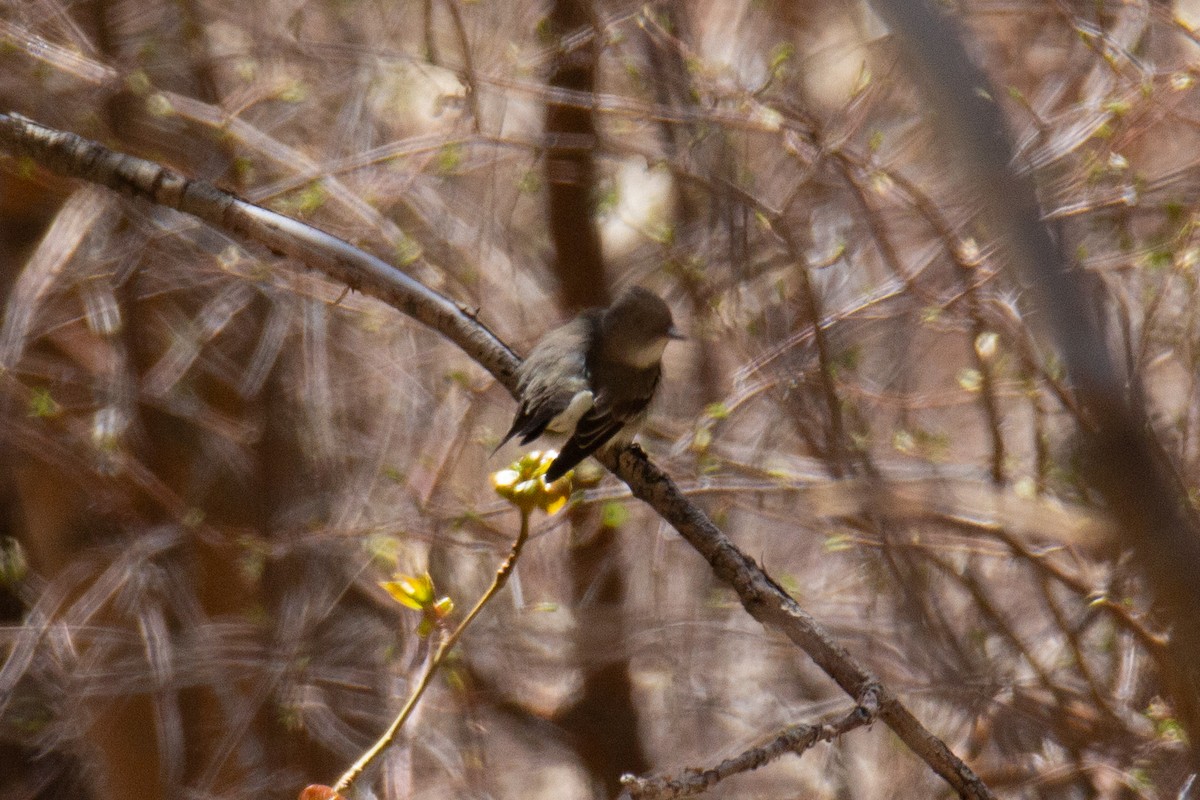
(673, 333)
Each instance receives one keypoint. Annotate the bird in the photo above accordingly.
(593, 378)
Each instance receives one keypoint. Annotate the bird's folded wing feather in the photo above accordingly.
(595, 428)
(550, 380)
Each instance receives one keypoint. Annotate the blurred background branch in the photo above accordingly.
(1125, 460)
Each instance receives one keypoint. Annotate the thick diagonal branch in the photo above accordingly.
(764, 599)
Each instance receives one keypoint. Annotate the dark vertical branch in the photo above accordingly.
(1125, 460)
(570, 169)
(468, 64)
(602, 721)
(836, 441)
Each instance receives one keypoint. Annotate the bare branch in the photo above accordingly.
(794, 739)
(77, 157)
(761, 596)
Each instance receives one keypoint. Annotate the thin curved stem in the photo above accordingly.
(502, 575)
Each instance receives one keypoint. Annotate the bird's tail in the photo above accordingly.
(511, 433)
(567, 460)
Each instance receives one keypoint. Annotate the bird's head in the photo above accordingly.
(637, 327)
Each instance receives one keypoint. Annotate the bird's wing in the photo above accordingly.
(552, 382)
(556, 412)
(537, 412)
(595, 428)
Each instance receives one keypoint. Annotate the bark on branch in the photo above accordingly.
(762, 597)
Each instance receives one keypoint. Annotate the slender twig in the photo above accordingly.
(439, 657)
(793, 739)
(468, 69)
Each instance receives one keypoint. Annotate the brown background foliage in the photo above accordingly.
(210, 456)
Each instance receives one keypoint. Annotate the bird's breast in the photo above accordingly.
(645, 356)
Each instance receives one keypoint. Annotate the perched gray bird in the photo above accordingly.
(594, 376)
